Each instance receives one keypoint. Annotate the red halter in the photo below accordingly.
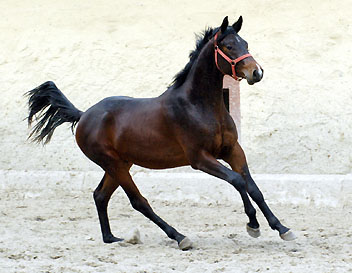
(228, 59)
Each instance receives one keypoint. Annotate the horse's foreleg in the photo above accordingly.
(102, 196)
(207, 163)
(237, 161)
(141, 204)
(254, 192)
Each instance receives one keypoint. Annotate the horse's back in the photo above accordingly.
(115, 113)
(113, 104)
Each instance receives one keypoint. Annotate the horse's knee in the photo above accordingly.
(238, 182)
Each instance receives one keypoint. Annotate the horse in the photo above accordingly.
(186, 125)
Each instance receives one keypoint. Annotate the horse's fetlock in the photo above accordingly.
(251, 212)
(273, 222)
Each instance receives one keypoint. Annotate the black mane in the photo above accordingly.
(202, 39)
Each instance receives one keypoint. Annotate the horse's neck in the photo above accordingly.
(205, 81)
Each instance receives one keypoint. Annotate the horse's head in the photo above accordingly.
(232, 56)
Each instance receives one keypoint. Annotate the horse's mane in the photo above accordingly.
(201, 41)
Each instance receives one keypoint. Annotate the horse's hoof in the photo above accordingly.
(253, 232)
(111, 239)
(185, 244)
(288, 236)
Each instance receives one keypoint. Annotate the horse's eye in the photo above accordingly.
(229, 47)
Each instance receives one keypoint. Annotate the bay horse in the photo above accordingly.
(186, 125)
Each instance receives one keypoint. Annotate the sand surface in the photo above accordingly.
(56, 230)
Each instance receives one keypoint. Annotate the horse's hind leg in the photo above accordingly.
(141, 204)
(237, 161)
(102, 196)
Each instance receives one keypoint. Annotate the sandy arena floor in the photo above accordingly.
(57, 230)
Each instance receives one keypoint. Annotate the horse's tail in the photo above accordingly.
(60, 110)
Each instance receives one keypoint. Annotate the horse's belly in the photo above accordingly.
(153, 153)
(153, 161)
(164, 162)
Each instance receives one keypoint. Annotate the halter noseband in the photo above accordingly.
(228, 59)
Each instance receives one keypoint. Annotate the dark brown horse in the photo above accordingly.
(186, 125)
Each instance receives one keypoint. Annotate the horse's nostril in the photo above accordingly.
(255, 75)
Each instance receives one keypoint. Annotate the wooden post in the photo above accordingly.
(234, 101)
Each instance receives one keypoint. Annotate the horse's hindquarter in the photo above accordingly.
(133, 130)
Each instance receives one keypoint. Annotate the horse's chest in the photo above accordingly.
(220, 139)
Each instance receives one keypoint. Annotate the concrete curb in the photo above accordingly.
(316, 190)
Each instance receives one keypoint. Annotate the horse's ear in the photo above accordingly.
(237, 26)
(224, 24)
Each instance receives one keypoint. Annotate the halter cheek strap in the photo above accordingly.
(228, 59)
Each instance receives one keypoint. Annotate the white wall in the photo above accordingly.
(297, 120)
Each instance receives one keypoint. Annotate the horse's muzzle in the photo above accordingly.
(256, 76)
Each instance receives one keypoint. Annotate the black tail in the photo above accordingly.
(60, 110)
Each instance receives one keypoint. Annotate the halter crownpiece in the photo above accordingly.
(227, 58)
